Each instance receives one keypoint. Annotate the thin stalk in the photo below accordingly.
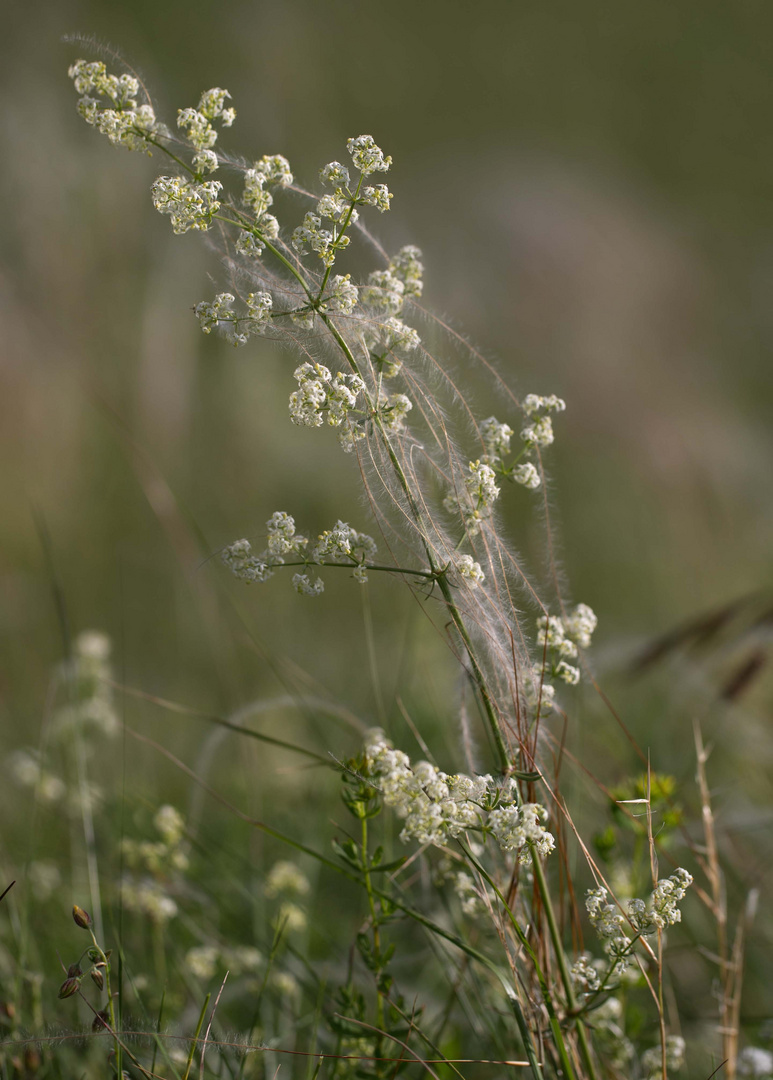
(376, 932)
(555, 1026)
(563, 967)
(344, 227)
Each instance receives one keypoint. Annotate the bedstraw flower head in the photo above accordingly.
(342, 296)
(367, 157)
(238, 328)
(469, 570)
(407, 267)
(189, 203)
(123, 121)
(496, 439)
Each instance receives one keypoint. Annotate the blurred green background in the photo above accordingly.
(591, 187)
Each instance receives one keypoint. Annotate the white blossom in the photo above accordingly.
(496, 439)
(190, 204)
(407, 266)
(580, 625)
(238, 328)
(652, 1059)
(335, 174)
(527, 475)
(393, 409)
(379, 196)
(303, 584)
(534, 403)
(239, 559)
(285, 877)
(540, 433)
(469, 570)
(755, 1063)
(665, 897)
(341, 297)
(367, 157)
(518, 828)
(384, 292)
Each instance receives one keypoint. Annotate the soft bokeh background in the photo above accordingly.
(591, 187)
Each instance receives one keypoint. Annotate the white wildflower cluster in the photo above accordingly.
(339, 207)
(645, 917)
(519, 828)
(159, 856)
(408, 268)
(237, 960)
(562, 637)
(367, 157)
(123, 121)
(437, 807)
(199, 130)
(190, 204)
(341, 297)
(25, 768)
(286, 879)
(586, 974)
(652, 1059)
(607, 921)
(390, 341)
(496, 439)
(155, 868)
(149, 898)
(271, 172)
(481, 493)
(469, 570)
(393, 409)
(310, 235)
(322, 397)
(665, 897)
(385, 294)
(755, 1063)
(283, 541)
(341, 545)
(220, 313)
(540, 431)
(86, 680)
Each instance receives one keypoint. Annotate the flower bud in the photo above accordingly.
(74, 971)
(101, 1020)
(69, 987)
(97, 978)
(81, 917)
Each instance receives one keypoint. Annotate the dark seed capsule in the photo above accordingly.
(68, 988)
(101, 1021)
(81, 917)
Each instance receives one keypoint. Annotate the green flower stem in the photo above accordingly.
(160, 146)
(376, 933)
(110, 1004)
(480, 680)
(563, 967)
(429, 574)
(344, 227)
